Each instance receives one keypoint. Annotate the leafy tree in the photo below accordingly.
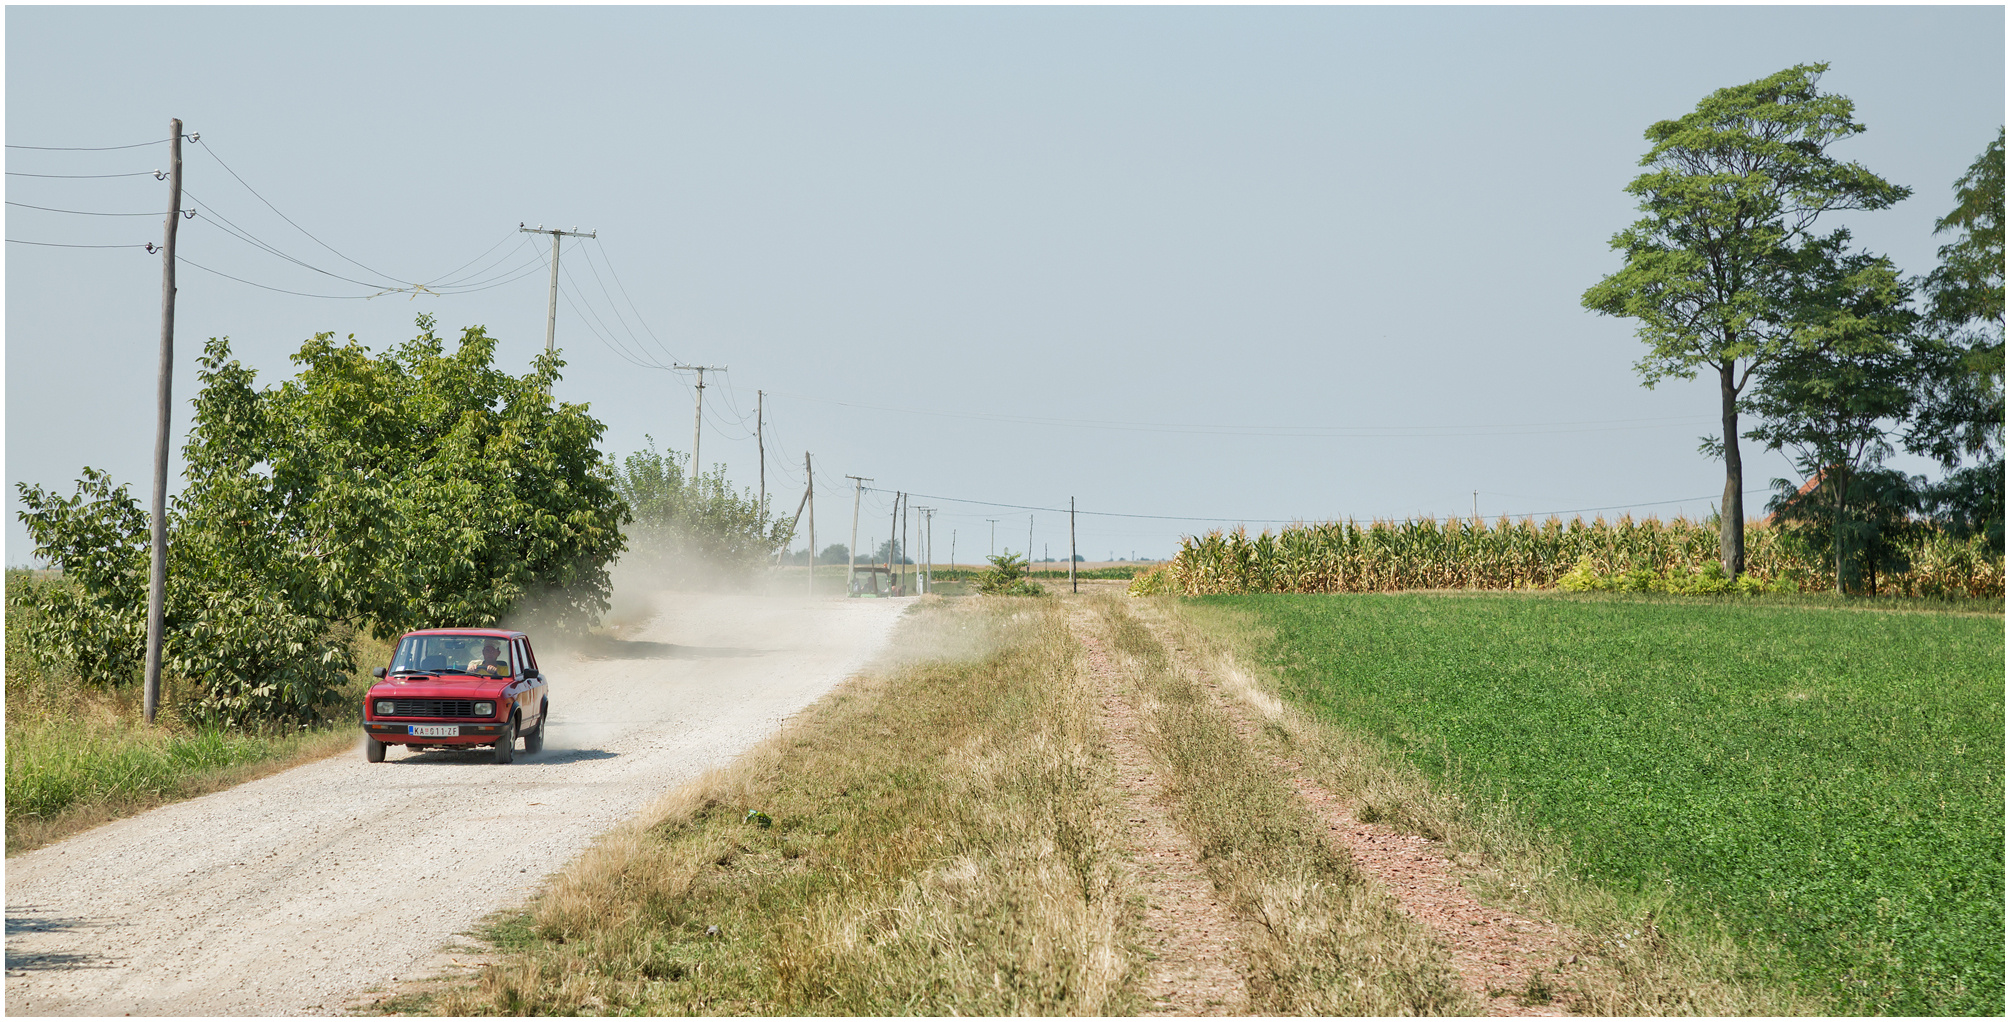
(1731, 198)
(1876, 523)
(836, 553)
(1833, 395)
(1960, 391)
(414, 488)
(890, 550)
(699, 533)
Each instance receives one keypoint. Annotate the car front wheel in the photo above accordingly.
(506, 743)
(373, 750)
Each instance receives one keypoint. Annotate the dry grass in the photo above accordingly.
(942, 842)
(1319, 939)
(1645, 971)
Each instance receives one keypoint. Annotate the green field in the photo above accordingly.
(1826, 781)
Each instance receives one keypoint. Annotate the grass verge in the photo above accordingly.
(1772, 798)
(79, 756)
(1318, 939)
(935, 837)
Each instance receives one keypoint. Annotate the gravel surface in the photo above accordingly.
(297, 893)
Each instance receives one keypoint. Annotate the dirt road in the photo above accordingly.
(296, 893)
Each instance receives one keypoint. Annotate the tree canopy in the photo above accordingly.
(1717, 270)
(417, 488)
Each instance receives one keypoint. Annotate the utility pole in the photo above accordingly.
(551, 307)
(892, 530)
(903, 549)
(1072, 585)
(851, 556)
(157, 577)
(698, 410)
(1476, 506)
(1029, 546)
(952, 549)
(761, 448)
(994, 537)
(811, 496)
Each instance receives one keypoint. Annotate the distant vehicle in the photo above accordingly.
(869, 580)
(455, 688)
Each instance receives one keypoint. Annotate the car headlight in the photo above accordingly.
(385, 707)
(485, 709)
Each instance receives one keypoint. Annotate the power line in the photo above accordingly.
(86, 149)
(149, 246)
(84, 212)
(639, 318)
(268, 204)
(267, 287)
(75, 177)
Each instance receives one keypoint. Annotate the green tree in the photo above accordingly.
(1959, 416)
(695, 533)
(414, 488)
(1836, 393)
(1731, 198)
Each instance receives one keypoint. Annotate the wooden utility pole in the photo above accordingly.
(1029, 547)
(851, 553)
(1072, 586)
(551, 306)
(157, 577)
(993, 549)
(761, 448)
(892, 529)
(698, 410)
(901, 551)
(811, 496)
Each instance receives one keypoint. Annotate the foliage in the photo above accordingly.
(1827, 782)
(1714, 269)
(696, 533)
(1007, 577)
(1384, 556)
(1868, 530)
(416, 488)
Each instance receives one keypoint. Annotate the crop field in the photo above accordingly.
(1381, 556)
(1825, 782)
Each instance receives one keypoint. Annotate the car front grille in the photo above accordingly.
(432, 708)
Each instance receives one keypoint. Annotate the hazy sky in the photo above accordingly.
(1249, 264)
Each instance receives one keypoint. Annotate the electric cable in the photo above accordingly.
(1287, 521)
(639, 318)
(58, 244)
(82, 212)
(268, 204)
(79, 177)
(184, 259)
(87, 148)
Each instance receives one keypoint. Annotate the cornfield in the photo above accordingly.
(1383, 556)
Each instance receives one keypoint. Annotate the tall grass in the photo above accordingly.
(79, 755)
(1384, 556)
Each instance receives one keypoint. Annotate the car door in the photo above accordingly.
(531, 699)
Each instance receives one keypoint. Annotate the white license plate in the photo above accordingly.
(435, 730)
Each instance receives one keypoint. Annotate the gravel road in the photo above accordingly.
(297, 893)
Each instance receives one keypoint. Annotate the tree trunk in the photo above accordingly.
(1839, 483)
(1731, 523)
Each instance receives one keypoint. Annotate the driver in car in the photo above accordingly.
(491, 664)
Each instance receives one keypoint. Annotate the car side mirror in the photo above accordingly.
(530, 674)
(378, 673)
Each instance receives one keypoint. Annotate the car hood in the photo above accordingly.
(454, 686)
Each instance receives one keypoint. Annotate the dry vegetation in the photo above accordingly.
(933, 838)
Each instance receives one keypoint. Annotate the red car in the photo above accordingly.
(458, 688)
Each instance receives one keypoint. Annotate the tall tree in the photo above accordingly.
(1960, 399)
(1837, 392)
(1731, 198)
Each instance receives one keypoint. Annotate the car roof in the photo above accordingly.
(491, 633)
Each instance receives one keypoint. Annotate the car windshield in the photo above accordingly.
(458, 654)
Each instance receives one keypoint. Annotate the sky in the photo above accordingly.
(1213, 265)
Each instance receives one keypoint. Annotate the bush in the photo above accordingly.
(1007, 577)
